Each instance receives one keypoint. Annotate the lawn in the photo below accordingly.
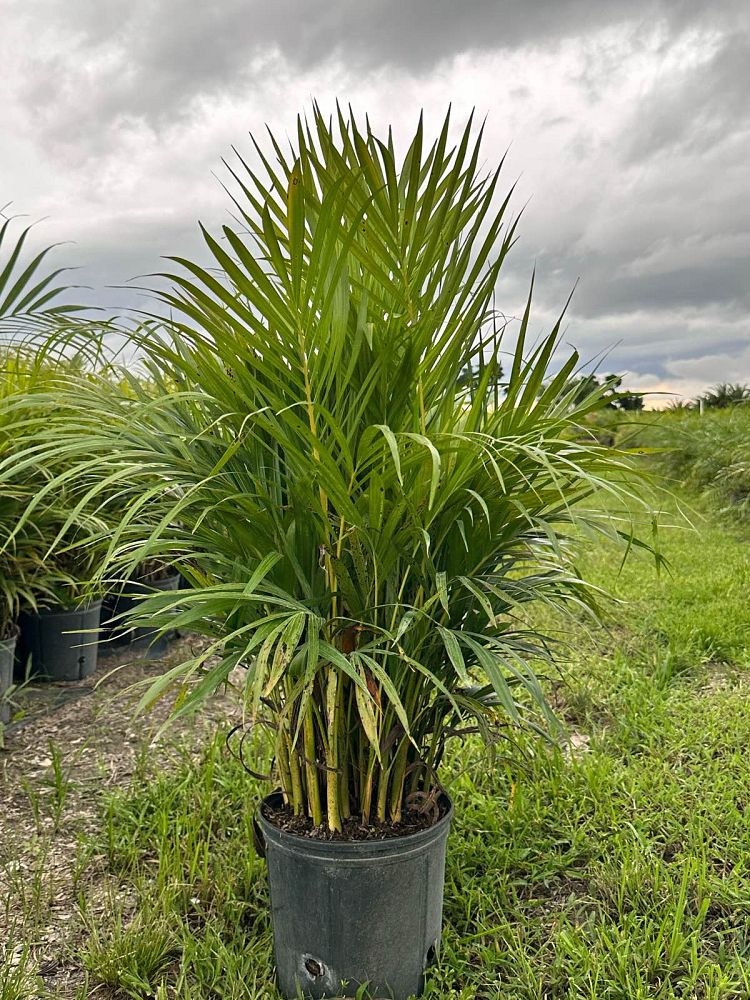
(614, 868)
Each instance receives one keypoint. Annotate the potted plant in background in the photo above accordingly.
(59, 610)
(45, 575)
(42, 576)
(58, 627)
(32, 304)
(363, 536)
(123, 598)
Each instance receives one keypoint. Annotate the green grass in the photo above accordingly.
(17, 978)
(614, 870)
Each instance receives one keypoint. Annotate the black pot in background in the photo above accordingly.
(60, 644)
(116, 604)
(355, 911)
(7, 659)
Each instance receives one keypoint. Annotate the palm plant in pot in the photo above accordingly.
(32, 302)
(44, 572)
(62, 613)
(58, 626)
(123, 596)
(362, 534)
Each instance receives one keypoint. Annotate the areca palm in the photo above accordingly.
(41, 560)
(32, 304)
(30, 293)
(362, 536)
(726, 394)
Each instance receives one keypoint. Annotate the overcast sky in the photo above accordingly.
(627, 124)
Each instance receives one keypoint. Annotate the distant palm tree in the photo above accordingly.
(472, 374)
(583, 386)
(630, 401)
(725, 394)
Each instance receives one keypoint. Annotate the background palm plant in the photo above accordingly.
(32, 304)
(710, 452)
(726, 394)
(362, 535)
(41, 560)
(30, 293)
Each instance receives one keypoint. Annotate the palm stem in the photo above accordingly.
(398, 777)
(311, 770)
(332, 759)
(367, 787)
(282, 760)
(298, 798)
(382, 806)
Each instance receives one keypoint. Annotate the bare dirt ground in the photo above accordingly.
(78, 742)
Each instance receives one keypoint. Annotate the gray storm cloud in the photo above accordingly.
(628, 122)
(150, 60)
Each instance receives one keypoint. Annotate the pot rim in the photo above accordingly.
(175, 575)
(354, 850)
(59, 610)
(148, 586)
(9, 641)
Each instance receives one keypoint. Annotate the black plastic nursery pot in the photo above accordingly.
(114, 605)
(7, 659)
(61, 644)
(355, 913)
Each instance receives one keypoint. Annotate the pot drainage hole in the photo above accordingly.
(314, 968)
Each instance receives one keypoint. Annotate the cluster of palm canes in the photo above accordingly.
(364, 535)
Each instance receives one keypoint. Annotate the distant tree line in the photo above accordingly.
(718, 397)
